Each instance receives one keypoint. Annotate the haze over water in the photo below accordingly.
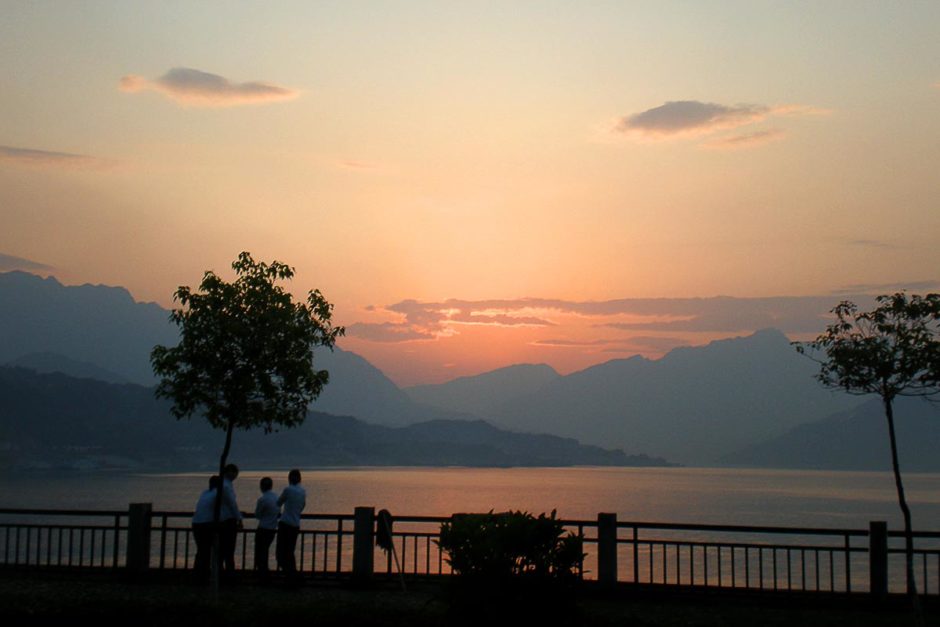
(675, 495)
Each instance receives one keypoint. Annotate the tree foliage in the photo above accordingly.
(245, 353)
(892, 350)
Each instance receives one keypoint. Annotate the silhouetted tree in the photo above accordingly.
(892, 350)
(245, 356)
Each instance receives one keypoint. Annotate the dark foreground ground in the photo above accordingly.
(41, 598)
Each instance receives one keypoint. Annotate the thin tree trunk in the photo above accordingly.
(217, 514)
(908, 533)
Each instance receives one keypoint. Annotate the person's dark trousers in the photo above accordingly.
(227, 536)
(263, 540)
(202, 532)
(286, 542)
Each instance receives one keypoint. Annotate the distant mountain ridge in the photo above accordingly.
(856, 439)
(482, 394)
(694, 405)
(57, 421)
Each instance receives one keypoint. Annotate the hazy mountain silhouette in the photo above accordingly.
(856, 439)
(101, 332)
(53, 420)
(483, 393)
(95, 324)
(693, 405)
(54, 362)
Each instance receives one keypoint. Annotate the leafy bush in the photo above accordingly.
(511, 544)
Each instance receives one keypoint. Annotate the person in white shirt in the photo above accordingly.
(203, 525)
(230, 520)
(293, 499)
(266, 512)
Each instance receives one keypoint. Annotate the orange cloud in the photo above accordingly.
(196, 88)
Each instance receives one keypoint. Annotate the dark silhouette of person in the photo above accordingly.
(203, 528)
(230, 520)
(293, 499)
(267, 513)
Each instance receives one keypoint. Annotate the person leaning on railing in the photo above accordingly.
(266, 511)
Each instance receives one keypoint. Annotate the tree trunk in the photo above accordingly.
(217, 514)
(908, 534)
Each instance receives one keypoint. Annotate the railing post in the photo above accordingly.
(138, 537)
(607, 548)
(878, 559)
(363, 541)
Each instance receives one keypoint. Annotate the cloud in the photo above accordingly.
(387, 332)
(689, 117)
(724, 314)
(196, 88)
(692, 118)
(747, 140)
(11, 262)
(50, 159)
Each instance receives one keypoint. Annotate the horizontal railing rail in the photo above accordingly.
(740, 557)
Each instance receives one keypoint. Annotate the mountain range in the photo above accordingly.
(57, 421)
(712, 404)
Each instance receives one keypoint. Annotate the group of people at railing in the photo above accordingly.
(278, 519)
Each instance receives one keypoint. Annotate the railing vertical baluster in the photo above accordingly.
(832, 572)
(803, 569)
(719, 565)
(414, 560)
(176, 548)
(678, 566)
(692, 564)
(303, 541)
(117, 541)
(665, 566)
(789, 572)
(816, 564)
(29, 542)
(91, 548)
(427, 558)
(163, 522)
(774, 549)
(59, 549)
(760, 563)
(734, 577)
(924, 587)
(848, 563)
(747, 567)
(651, 561)
(71, 544)
(636, 555)
(339, 545)
(81, 546)
(705, 562)
(326, 541)
(186, 549)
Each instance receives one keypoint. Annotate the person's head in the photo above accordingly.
(266, 484)
(231, 472)
(293, 477)
(214, 482)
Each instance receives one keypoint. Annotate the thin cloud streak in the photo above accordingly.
(747, 140)
(12, 262)
(190, 87)
(52, 159)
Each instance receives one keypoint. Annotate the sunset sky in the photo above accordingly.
(477, 184)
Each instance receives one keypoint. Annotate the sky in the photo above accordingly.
(484, 183)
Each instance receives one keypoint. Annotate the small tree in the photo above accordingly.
(892, 350)
(245, 356)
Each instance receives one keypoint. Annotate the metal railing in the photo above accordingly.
(652, 554)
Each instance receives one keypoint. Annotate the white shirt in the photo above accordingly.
(267, 510)
(205, 507)
(294, 499)
(229, 504)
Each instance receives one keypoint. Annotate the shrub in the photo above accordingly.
(510, 544)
